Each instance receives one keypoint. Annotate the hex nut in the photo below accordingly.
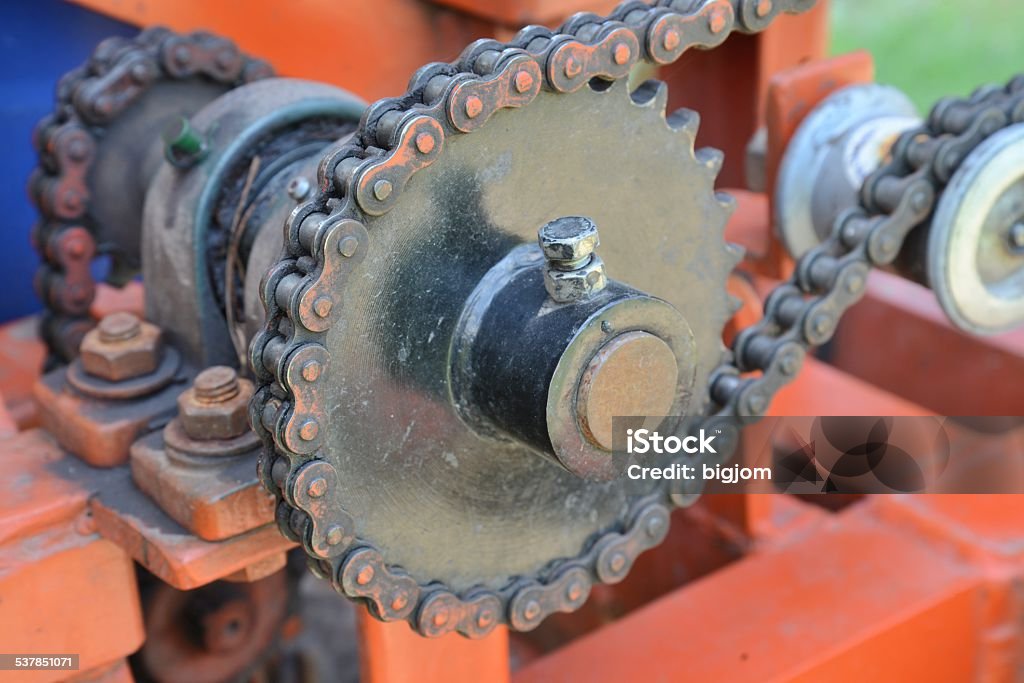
(133, 352)
(566, 286)
(224, 419)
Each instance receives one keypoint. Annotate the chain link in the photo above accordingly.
(90, 98)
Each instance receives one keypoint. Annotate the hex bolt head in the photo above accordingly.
(216, 406)
(568, 240)
(573, 271)
(121, 347)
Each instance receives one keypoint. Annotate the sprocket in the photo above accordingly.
(394, 496)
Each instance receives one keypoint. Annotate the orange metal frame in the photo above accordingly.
(746, 587)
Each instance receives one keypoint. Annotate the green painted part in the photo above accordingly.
(182, 139)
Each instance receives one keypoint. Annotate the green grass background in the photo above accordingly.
(934, 48)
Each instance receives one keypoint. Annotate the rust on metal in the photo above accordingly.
(98, 431)
(121, 347)
(209, 486)
(216, 405)
(472, 103)
(133, 521)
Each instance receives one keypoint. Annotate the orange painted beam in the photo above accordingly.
(525, 12)
(899, 339)
(128, 517)
(849, 599)
(823, 390)
(369, 48)
(63, 589)
(393, 653)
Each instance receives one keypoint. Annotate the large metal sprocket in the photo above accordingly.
(434, 497)
(392, 496)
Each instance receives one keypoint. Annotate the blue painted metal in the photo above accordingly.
(40, 40)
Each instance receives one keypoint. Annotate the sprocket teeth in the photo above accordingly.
(735, 252)
(711, 159)
(727, 203)
(651, 94)
(684, 120)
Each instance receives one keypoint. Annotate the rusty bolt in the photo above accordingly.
(671, 40)
(474, 106)
(226, 58)
(317, 487)
(425, 143)
(573, 68)
(322, 306)
(121, 347)
(574, 272)
(523, 81)
(365, 575)
(621, 53)
(348, 246)
(104, 105)
(717, 21)
(78, 148)
(216, 406)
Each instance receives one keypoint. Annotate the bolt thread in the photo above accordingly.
(217, 384)
(118, 327)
